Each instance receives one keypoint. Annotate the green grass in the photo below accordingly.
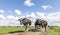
(51, 31)
(12, 29)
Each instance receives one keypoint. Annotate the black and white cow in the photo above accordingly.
(40, 24)
(26, 22)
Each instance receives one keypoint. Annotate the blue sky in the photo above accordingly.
(19, 8)
(19, 4)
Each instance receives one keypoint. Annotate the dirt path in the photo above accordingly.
(27, 33)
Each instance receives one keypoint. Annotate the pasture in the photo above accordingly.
(53, 30)
(8, 29)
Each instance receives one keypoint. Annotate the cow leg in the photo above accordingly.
(40, 28)
(25, 28)
(45, 28)
(28, 27)
(35, 27)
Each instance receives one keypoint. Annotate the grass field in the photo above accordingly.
(53, 30)
(8, 29)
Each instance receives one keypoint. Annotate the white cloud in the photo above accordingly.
(2, 11)
(10, 20)
(46, 7)
(2, 20)
(33, 14)
(18, 12)
(28, 3)
(10, 17)
(41, 15)
(2, 17)
(54, 18)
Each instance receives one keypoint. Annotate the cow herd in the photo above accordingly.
(39, 23)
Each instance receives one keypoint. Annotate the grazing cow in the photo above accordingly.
(26, 22)
(40, 24)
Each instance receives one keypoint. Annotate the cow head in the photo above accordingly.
(20, 20)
